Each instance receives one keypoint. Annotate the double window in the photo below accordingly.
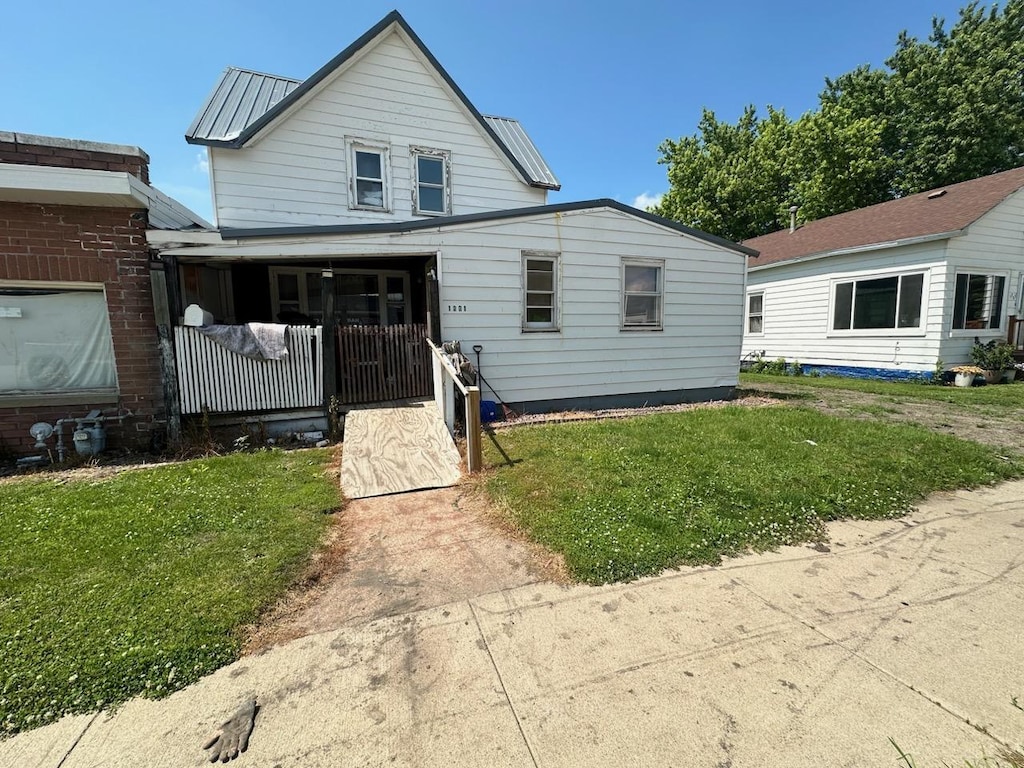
(361, 297)
(369, 169)
(540, 297)
(978, 302)
(643, 290)
(878, 303)
(431, 187)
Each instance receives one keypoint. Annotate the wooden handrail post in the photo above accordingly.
(474, 445)
(329, 340)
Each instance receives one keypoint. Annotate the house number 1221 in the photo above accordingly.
(457, 308)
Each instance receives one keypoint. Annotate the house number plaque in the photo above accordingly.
(458, 308)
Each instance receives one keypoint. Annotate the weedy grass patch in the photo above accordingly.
(1002, 395)
(137, 584)
(624, 499)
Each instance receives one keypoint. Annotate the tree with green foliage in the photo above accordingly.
(942, 111)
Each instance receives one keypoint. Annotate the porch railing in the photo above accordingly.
(446, 381)
(379, 363)
(211, 377)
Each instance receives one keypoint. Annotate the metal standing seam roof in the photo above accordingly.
(240, 97)
(243, 101)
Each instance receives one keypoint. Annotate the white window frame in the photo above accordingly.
(919, 330)
(301, 272)
(556, 277)
(445, 157)
(631, 261)
(751, 314)
(383, 149)
(1001, 313)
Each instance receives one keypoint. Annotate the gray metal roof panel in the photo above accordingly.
(240, 97)
(514, 137)
(230, 116)
(440, 222)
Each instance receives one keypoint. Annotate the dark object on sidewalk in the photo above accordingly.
(233, 738)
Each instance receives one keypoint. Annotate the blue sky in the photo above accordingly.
(598, 85)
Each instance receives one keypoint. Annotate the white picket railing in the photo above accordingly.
(212, 378)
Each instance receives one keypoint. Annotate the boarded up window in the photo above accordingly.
(55, 341)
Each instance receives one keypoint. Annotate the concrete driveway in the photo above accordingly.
(908, 630)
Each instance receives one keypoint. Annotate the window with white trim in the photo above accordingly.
(892, 302)
(369, 169)
(643, 288)
(55, 340)
(755, 313)
(431, 187)
(540, 291)
(978, 301)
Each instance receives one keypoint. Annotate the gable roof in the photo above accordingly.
(440, 222)
(245, 102)
(936, 214)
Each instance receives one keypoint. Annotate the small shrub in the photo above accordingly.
(994, 355)
(797, 369)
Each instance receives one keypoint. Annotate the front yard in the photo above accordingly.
(623, 499)
(139, 583)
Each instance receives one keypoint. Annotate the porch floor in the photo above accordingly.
(397, 449)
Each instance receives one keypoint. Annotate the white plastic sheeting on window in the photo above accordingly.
(54, 340)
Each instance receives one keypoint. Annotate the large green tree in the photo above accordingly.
(943, 110)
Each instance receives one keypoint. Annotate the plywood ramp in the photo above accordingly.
(397, 449)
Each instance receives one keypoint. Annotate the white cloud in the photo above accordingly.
(645, 200)
(202, 162)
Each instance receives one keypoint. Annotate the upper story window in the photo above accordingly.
(369, 171)
(643, 289)
(540, 294)
(978, 303)
(755, 313)
(878, 303)
(431, 187)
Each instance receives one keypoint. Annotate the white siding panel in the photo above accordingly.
(297, 174)
(590, 355)
(797, 302)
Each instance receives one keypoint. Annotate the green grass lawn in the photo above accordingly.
(1007, 395)
(137, 584)
(623, 499)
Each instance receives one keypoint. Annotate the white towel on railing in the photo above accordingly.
(260, 341)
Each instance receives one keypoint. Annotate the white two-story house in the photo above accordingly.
(378, 175)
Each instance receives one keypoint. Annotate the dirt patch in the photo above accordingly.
(997, 427)
(389, 555)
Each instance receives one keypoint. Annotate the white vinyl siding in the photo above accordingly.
(297, 173)
(540, 292)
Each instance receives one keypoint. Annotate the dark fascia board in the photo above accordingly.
(441, 222)
(325, 71)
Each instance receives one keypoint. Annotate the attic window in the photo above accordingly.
(369, 170)
(431, 191)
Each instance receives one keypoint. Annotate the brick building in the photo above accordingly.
(77, 328)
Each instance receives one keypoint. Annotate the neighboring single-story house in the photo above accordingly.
(891, 289)
(77, 329)
(377, 186)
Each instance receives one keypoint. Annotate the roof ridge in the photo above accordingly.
(250, 71)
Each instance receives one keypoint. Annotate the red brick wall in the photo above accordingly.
(70, 157)
(96, 245)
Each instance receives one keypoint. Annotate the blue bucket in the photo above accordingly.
(488, 411)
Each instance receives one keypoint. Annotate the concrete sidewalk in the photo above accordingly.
(910, 630)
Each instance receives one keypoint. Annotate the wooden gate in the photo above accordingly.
(379, 363)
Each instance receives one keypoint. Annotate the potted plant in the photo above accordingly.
(965, 374)
(994, 357)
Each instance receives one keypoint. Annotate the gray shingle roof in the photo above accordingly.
(244, 101)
